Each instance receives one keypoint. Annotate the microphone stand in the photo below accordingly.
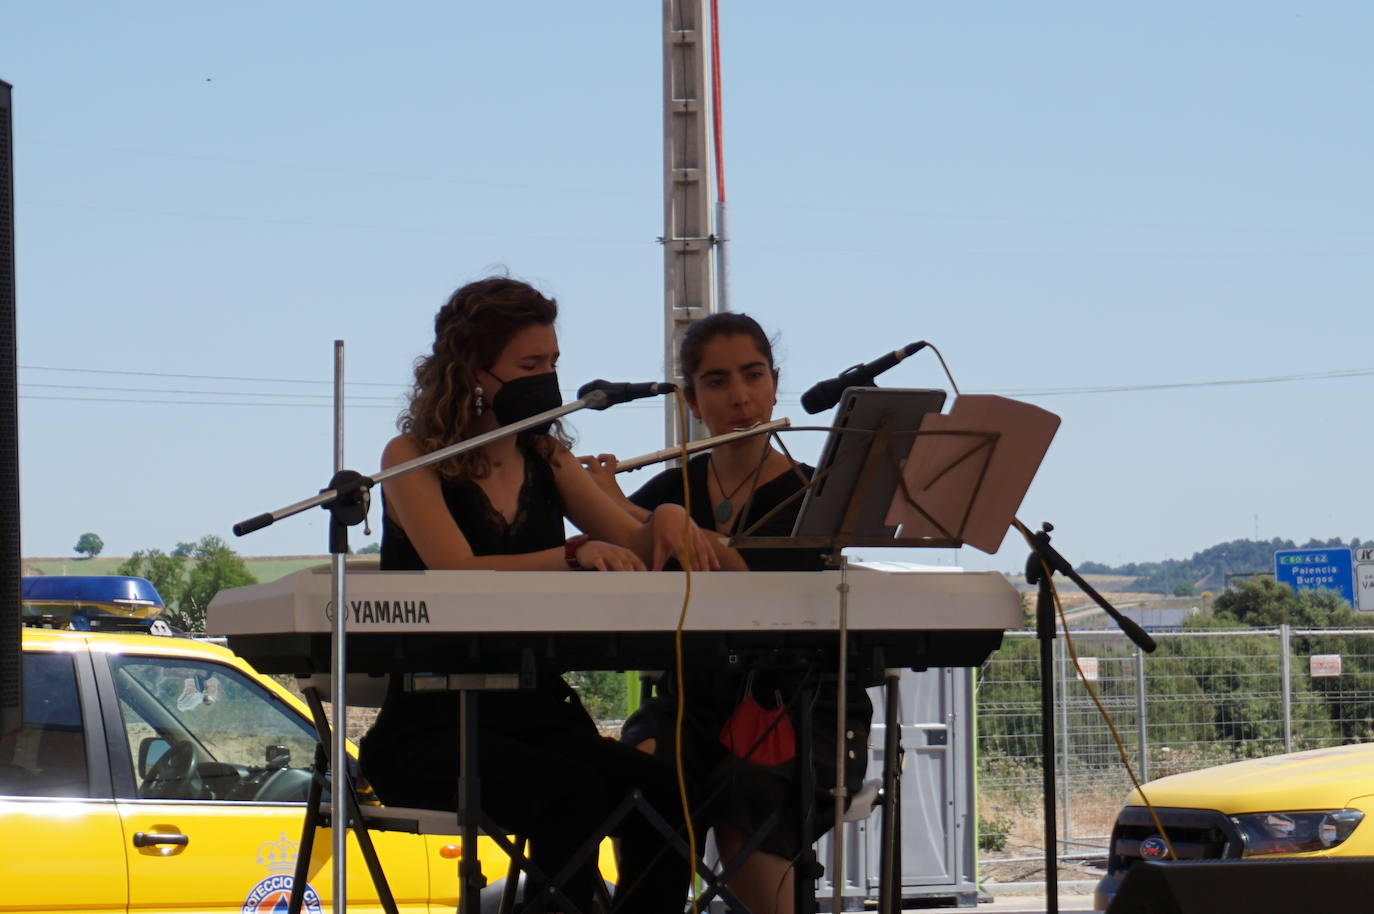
(1043, 561)
(347, 499)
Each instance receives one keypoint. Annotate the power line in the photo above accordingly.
(325, 405)
(753, 246)
(196, 377)
(315, 223)
(1180, 385)
(390, 402)
(206, 393)
(959, 216)
(373, 173)
(195, 402)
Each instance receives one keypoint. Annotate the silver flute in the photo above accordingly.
(668, 453)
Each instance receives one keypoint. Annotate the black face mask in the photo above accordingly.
(524, 397)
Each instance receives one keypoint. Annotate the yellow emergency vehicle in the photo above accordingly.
(1303, 804)
(157, 774)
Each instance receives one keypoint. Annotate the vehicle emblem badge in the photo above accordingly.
(273, 893)
(1154, 848)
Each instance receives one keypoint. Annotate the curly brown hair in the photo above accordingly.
(470, 331)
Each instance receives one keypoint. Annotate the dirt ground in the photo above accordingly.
(1022, 869)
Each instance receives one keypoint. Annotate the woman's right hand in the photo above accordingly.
(668, 524)
(602, 469)
(594, 555)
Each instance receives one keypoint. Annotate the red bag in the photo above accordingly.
(759, 735)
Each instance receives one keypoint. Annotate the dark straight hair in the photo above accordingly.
(726, 323)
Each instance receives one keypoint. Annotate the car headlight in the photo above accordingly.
(1295, 832)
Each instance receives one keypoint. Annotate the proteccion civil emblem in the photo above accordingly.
(272, 895)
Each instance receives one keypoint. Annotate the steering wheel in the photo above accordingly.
(175, 776)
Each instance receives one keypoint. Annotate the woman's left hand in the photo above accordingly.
(595, 555)
(668, 525)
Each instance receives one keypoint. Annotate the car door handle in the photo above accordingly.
(152, 839)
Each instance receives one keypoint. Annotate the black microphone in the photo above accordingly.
(825, 394)
(622, 392)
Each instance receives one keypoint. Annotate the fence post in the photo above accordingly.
(1062, 665)
(1140, 721)
(1285, 666)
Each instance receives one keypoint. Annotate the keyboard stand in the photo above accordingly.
(471, 818)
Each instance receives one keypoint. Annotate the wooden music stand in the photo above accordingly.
(960, 482)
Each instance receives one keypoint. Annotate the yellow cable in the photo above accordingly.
(1092, 693)
(684, 560)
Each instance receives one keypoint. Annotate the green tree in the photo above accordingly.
(1265, 603)
(1185, 589)
(603, 693)
(214, 566)
(89, 545)
(370, 549)
(189, 577)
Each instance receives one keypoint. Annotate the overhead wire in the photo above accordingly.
(753, 246)
(197, 377)
(275, 398)
(194, 402)
(316, 223)
(208, 393)
(1181, 385)
(954, 215)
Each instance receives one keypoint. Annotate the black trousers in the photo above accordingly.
(554, 784)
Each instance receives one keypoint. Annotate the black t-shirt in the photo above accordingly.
(666, 488)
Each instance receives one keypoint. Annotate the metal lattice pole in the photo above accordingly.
(688, 290)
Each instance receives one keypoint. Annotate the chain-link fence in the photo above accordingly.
(1202, 698)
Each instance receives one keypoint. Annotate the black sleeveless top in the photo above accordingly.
(538, 525)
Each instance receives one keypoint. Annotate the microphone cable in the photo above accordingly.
(1092, 693)
(936, 349)
(683, 559)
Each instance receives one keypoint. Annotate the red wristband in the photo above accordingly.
(570, 551)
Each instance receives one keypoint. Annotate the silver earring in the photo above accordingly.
(477, 405)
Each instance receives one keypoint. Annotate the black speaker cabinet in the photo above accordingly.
(10, 677)
(1287, 886)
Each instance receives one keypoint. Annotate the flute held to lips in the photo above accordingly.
(669, 453)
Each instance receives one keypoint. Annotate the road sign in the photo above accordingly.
(1315, 569)
(1364, 586)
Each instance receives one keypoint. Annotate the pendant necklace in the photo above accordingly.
(726, 507)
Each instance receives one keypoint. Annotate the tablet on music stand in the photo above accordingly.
(838, 473)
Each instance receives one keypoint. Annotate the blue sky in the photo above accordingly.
(1059, 195)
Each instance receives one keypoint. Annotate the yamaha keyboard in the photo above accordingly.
(493, 621)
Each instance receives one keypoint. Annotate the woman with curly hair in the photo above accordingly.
(545, 771)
